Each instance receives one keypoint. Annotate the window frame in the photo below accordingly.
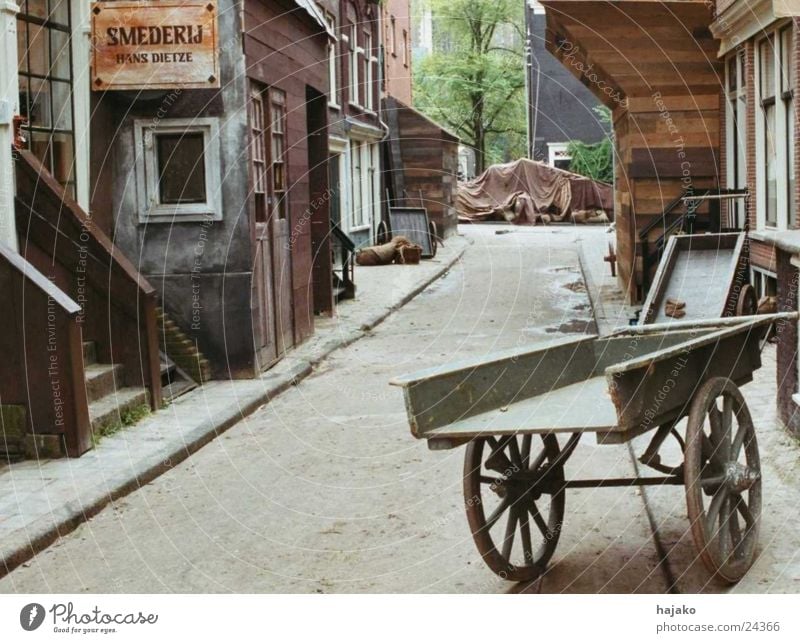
(150, 210)
(736, 130)
(354, 56)
(779, 106)
(333, 64)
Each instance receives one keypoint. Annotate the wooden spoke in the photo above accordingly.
(724, 534)
(525, 532)
(505, 503)
(514, 504)
(513, 449)
(491, 481)
(733, 523)
(738, 442)
(511, 528)
(724, 444)
(715, 507)
(745, 511)
(719, 431)
(526, 450)
(540, 523)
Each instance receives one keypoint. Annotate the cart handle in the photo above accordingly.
(703, 323)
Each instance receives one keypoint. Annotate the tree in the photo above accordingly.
(594, 160)
(474, 80)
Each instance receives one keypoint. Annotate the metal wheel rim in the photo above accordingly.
(529, 555)
(723, 493)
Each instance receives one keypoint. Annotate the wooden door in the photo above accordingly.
(280, 227)
(262, 299)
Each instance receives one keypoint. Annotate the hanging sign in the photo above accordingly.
(154, 45)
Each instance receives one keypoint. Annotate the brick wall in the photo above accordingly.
(787, 373)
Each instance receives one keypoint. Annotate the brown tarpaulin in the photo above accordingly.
(524, 190)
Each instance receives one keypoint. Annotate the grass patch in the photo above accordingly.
(127, 418)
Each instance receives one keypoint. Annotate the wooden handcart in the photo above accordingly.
(510, 410)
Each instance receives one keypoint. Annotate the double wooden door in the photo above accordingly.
(273, 318)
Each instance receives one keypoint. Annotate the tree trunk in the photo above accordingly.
(480, 134)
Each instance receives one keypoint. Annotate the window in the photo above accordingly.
(775, 130)
(258, 153)
(393, 36)
(277, 133)
(370, 64)
(356, 184)
(375, 183)
(354, 64)
(45, 85)
(333, 64)
(764, 283)
(405, 48)
(736, 134)
(788, 81)
(181, 179)
(364, 187)
(178, 169)
(768, 148)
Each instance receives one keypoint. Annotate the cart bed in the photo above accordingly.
(706, 271)
(582, 406)
(617, 387)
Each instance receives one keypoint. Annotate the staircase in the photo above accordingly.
(185, 357)
(111, 404)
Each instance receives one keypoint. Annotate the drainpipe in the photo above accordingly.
(9, 106)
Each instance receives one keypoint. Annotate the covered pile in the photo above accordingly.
(526, 191)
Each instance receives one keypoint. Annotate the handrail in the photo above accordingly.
(47, 287)
(38, 173)
(345, 240)
(672, 205)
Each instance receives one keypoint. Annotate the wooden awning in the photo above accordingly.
(635, 48)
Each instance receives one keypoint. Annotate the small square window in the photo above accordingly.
(181, 171)
(178, 170)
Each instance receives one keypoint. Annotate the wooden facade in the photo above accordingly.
(422, 165)
(286, 51)
(655, 66)
(242, 281)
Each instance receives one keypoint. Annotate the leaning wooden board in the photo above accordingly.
(706, 271)
(412, 223)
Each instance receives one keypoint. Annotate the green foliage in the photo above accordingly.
(594, 160)
(473, 83)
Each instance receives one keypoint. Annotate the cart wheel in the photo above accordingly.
(433, 235)
(746, 303)
(723, 471)
(514, 483)
(382, 234)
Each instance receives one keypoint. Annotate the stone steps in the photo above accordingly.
(114, 411)
(181, 349)
(102, 380)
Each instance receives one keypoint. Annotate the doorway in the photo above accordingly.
(273, 318)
